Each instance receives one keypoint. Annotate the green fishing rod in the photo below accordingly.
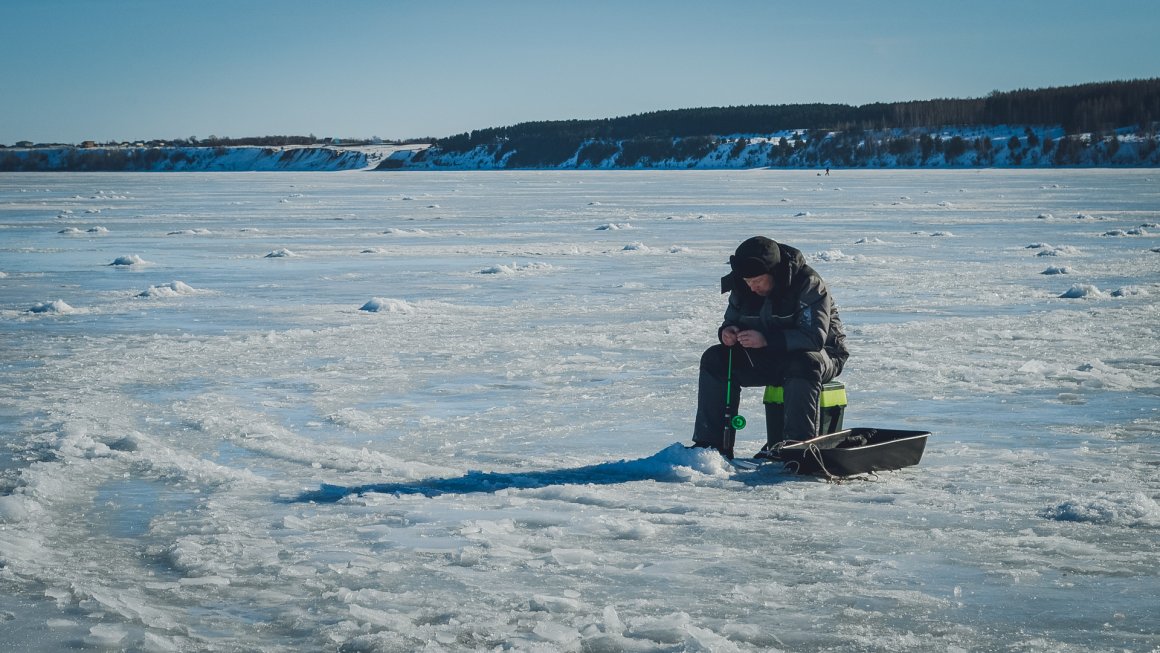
(733, 421)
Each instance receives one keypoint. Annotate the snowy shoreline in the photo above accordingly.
(1002, 146)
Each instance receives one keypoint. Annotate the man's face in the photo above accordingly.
(761, 285)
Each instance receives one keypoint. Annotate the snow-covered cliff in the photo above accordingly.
(989, 147)
(196, 159)
(999, 146)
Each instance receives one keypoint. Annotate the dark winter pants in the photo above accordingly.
(801, 375)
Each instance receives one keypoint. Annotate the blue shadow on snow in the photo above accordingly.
(675, 464)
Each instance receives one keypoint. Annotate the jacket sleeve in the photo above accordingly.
(811, 323)
(732, 316)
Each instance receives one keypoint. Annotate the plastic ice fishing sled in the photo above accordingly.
(852, 452)
(836, 452)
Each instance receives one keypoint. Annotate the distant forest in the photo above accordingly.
(1096, 109)
(1100, 124)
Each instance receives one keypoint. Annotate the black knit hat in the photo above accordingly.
(757, 256)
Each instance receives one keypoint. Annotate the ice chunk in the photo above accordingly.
(125, 261)
(381, 305)
(171, 289)
(56, 306)
(12, 510)
(106, 635)
(1082, 290)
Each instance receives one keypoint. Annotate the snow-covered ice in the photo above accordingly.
(129, 260)
(378, 304)
(55, 306)
(469, 440)
(171, 289)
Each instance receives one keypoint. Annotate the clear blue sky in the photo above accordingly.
(72, 70)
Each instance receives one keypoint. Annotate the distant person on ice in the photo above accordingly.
(783, 329)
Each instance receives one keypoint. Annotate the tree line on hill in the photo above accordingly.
(1087, 124)
(1095, 109)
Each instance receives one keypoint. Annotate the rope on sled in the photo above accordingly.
(817, 454)
(794, 466)
(833, 478)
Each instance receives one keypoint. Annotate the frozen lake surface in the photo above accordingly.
(437, 411)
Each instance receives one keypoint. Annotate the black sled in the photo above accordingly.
(852, 452)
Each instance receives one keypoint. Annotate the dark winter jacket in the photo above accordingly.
(798, 316)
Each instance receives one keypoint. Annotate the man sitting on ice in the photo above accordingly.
(784, 330)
